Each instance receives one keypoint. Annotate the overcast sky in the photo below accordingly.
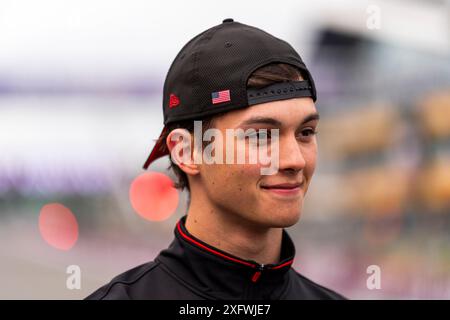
(112, 37)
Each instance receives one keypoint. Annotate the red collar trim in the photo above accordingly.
(222, 255)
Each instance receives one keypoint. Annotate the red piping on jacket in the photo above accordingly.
(256, 275)
(283, 265)
(212, 250)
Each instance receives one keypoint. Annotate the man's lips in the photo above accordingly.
(284, 189)
(282, 185)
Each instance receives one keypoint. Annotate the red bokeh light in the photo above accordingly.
(58, 226)
(153, 196)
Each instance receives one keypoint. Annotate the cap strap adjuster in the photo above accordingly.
(280, 91)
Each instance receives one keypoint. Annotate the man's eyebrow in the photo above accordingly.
(311, 117)
(261, 120)
(275, 122)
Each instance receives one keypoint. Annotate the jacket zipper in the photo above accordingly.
(253, 287)
(257, 274)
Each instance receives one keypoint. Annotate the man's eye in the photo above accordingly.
(261, 134)
(260, 137)
(309, 132)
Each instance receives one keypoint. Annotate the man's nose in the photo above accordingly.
(291, 154)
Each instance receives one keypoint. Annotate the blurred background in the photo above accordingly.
(81, 104)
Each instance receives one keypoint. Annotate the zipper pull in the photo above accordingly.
(257, 274)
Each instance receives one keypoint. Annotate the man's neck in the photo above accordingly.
(231, 234)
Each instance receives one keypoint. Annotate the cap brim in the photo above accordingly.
(159, 150)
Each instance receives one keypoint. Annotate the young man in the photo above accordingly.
(232, 243)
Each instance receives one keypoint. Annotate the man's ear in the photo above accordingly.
(179, 143)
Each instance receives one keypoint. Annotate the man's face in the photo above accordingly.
(241, 190)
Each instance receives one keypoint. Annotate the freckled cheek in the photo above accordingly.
(251, 171)
(232, 176)
(243, 176)
(253, 178)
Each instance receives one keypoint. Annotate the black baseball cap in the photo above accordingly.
(210, 73)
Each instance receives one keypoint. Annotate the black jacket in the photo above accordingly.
(191, 269)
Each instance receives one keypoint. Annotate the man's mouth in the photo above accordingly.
(285, 189)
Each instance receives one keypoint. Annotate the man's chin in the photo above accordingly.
(284, 220)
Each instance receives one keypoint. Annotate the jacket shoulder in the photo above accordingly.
(119, 286)
(149, 281)
(311, 290)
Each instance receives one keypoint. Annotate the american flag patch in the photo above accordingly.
(221, 96)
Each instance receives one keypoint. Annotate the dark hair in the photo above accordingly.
(262, 77)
